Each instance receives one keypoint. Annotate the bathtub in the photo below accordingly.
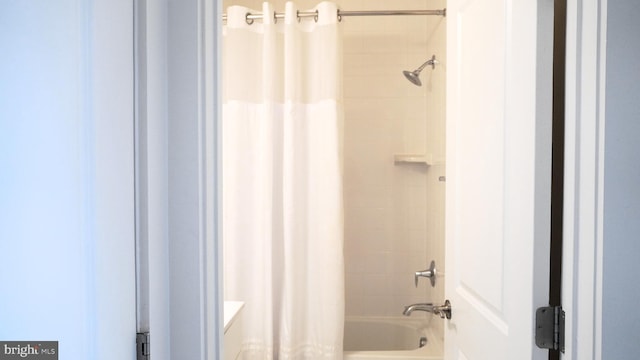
(389, 338)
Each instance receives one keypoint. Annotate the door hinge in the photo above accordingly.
(550, 328)
(142, 346)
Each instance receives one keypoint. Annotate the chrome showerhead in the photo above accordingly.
(414, 76)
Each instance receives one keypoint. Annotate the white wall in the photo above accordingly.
(67, 264)
(621, 293)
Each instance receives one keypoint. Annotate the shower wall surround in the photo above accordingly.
(394, 214)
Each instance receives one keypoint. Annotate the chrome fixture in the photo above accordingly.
(422, 342)
(430, 273)
(428, 307)
(414, 76)
(249, 17)
(440, 310)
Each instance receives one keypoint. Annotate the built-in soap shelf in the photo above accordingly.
(413, 159)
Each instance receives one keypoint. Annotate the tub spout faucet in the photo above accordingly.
(440, 310)
(428, 307)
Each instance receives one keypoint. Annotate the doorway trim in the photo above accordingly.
(177, 112)
(583, 216)
(584, 175)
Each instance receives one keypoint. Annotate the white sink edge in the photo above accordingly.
(231, 311)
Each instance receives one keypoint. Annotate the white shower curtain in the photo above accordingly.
(282, 181)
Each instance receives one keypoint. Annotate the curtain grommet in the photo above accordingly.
(315, 17)
(247, 19)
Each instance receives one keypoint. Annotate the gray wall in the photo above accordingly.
(621, 318)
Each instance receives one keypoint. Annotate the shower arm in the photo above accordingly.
(431, 62)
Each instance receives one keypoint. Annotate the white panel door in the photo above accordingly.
(498, 177)
(67, 265)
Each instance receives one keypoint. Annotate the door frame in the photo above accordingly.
(583, 238)
(179, 255)
(584, 175)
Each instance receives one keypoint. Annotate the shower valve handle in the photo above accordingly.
(428, 273)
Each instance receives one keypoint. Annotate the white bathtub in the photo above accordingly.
(389, 338)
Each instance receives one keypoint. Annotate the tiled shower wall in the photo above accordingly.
(394, 214)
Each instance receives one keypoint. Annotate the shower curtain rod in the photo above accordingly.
(250, 17)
